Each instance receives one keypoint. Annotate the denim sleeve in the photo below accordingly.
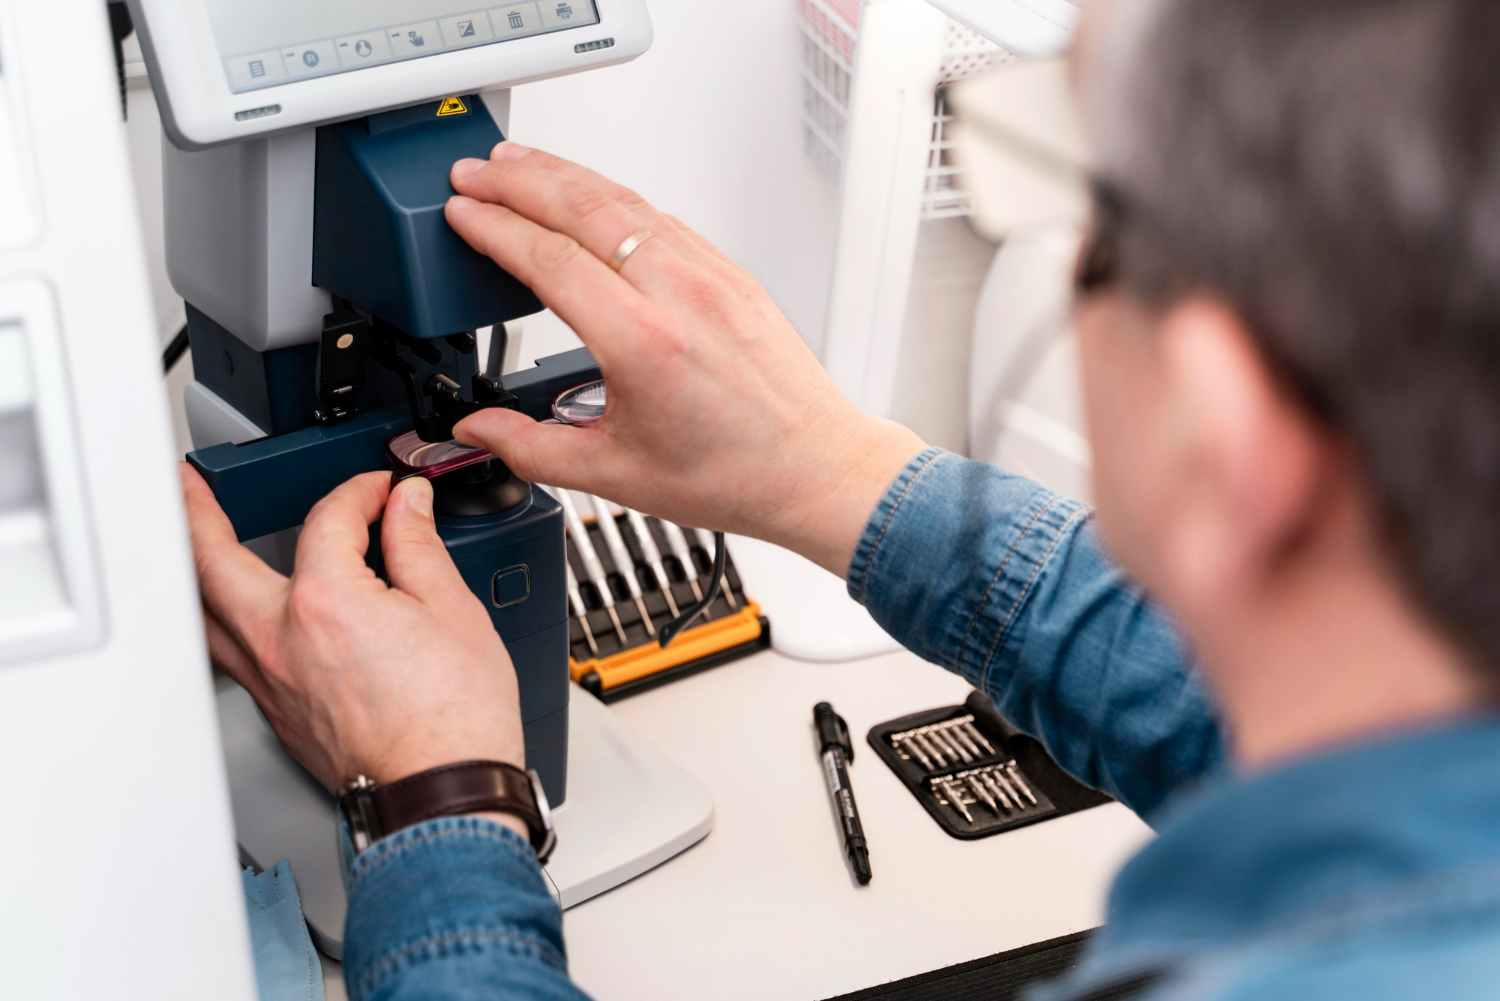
(452, 909)
(1004, 582)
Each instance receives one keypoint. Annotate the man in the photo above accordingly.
(1290, 323)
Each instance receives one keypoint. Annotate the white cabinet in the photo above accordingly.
(49, 595)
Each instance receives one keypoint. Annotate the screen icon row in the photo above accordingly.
(407, 41)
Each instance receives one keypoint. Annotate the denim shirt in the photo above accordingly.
(1371, 871)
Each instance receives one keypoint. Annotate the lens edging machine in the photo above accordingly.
(330, 309)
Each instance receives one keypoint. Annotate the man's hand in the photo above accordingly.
(719, 416)
(357, 677)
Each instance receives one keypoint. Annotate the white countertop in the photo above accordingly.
(764, 907)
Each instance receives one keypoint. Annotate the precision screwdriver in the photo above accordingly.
(998, 775)
(945, 740)
(912, 750)
(989, 780)
(1015, 777)
(591, 564)
(930, 748)
(957, 731)
(604, 516)
(652, 555)
(955, 798)
(580, 610)
(957, 735)
(973, 732)
(980, 792)
(677, 542)
(706, 540)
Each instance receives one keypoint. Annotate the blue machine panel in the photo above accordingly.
(277, 389)
(380, 239)
(270, 484)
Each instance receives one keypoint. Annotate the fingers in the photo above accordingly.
(575, 284)
(237, 587)
(667, 227)
(554, 454)
(336, 534)
(225, 651)
(415, 558)
(586, 208)
(652, 216)
(586, 212)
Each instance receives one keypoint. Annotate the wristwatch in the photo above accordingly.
(368, 812)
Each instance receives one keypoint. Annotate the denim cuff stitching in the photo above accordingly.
(411, 954)
(958, 660)
(926, 458)
(403, 842)
(1079, 514)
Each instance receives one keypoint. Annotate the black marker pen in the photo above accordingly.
(837, 751)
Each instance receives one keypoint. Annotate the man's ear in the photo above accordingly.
(1246, 458)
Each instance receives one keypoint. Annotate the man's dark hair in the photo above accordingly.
(1332, 168)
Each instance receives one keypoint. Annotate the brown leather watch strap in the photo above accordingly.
(465, 787)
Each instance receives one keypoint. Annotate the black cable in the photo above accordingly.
(667, 633)
(121, 27)
(174, 351)
(494, 365)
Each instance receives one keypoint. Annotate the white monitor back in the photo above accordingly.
(928, 194)
(1025, 400)
(118, 875)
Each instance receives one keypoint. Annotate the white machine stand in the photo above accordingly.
(629, 808)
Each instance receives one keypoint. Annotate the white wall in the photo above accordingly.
(705, 125)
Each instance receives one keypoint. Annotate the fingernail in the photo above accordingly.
(509, 151)
(461, 202)
(419, 496)
(465, 167)
(461, 433)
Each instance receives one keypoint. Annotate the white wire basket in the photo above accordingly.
(830, 29)
(965, 53)
(830, 34)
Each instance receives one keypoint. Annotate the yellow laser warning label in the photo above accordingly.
(452, 106)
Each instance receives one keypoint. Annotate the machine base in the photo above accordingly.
(629, 809)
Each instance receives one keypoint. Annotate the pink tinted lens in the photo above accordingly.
(409, 455)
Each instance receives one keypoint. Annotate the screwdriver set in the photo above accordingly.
(975, 773)
(629, 575)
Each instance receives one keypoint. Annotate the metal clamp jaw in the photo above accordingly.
(352, 338)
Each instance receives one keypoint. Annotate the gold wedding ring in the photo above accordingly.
(627, 248)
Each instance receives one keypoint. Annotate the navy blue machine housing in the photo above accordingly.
(270, 484)
(277, 389)
(380, 239)
(383, 248)
(514, 562)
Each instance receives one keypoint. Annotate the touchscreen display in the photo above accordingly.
(268, 42)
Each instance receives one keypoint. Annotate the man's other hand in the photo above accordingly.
(358, 677)
(719, 416)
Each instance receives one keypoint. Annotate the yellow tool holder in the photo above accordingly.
(727, 634)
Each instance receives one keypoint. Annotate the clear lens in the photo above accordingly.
(581, 406)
